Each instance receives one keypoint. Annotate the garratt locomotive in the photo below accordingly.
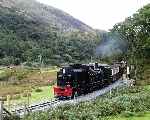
(78, 79)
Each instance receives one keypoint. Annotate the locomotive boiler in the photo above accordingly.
(79, 79)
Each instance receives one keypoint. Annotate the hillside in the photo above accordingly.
(30, 29)
(46, 15)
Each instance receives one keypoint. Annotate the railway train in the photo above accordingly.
(79, 79)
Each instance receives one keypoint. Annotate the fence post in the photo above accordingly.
(1, 109)
(2, 99)
(110, 93)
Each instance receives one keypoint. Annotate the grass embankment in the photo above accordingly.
(17, 80)
(134, 116)
(23, 85)
(36, 96)
(123, 101)
(45, 94)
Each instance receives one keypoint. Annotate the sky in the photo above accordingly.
(99, 14)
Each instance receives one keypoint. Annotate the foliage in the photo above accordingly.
(24, 40)
(135, 31)
(38, 90)
(127, 101)
(11, 118)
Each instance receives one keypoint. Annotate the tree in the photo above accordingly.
(136, 32)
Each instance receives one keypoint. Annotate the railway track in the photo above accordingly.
(54, 103)
(36, 107)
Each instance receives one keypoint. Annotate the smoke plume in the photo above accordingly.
(112, 45)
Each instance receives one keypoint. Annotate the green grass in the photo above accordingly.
(147, 87)
(29, 80)
(46, 94)
(49, 70)
(136, 116)
(1, 71)
(18, 79)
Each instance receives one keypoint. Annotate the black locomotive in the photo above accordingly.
(78, 79)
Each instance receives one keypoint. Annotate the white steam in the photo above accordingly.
(111, 46)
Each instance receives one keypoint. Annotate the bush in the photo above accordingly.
(38, 90)
(127, 102)
(11, 118)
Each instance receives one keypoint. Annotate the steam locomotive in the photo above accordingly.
(78, 79)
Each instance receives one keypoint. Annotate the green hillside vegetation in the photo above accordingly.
(24, 40)
(46, 15)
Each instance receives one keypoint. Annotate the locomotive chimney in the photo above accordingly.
(96, 65)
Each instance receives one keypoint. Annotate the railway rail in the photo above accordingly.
(55, 103)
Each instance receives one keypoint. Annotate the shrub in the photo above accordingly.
(38, 90)
(127, 102)
(11, 118)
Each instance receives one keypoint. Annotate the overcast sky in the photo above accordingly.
(99, 14)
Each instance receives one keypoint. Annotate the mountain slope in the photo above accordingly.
(46, 15)
(24, 37)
